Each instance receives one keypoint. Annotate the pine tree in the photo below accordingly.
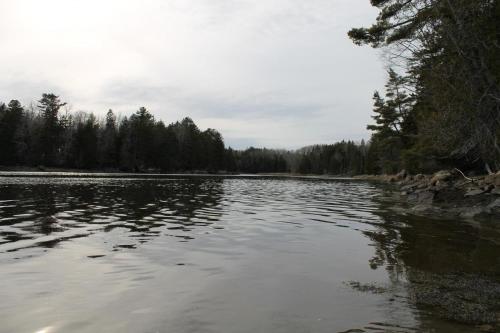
(108, 151)
(451, 50)
(50, 136)
(10, 122)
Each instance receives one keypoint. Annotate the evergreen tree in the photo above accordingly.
(166, 148)
(230, 160)
(214, 150)
(85, 143)
(451, 51)
(125, 147)
(50, 136)
(108, 150)
(10, 122)
(188, 136)
(142, 136)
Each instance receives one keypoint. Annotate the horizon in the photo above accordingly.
(119, 115)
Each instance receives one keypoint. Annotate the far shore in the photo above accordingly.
(445, 194)
(115, 173)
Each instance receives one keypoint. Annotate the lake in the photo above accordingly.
(235, 254)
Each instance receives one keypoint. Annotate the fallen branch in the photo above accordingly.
(463, 175)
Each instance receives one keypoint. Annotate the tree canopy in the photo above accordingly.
(45, 136)
(448, 55)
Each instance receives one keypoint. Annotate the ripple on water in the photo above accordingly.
(260, 254)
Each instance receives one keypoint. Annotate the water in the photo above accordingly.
(215, 254)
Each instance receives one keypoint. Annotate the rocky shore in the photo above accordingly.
(447, 193)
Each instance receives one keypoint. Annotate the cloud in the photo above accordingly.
(275, 73)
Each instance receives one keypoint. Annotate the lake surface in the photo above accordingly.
(228, 254)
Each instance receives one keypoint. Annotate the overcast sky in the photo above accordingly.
(274, 73)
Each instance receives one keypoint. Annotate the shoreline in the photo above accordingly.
(69, 173)
(446, 194)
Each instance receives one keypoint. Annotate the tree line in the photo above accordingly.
(341, 158)
(441, 105)
(47, 135)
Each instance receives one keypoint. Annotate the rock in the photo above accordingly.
(474, 211)
(401, 175)
(371, 288)
(409, 187)
(422, 196)
(488, 188)
(442, 175)
(473, 192)
(496, 191)
(49, 220)
(441, 184)
(423, 208)
(495, 204)
(422, 185)
(419, 177)
(486, 328)
(493, 179)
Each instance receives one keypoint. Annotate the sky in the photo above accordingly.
(273, 73)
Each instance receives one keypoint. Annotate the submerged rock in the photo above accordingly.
(369, 287)
(49, 220)
(423, 196)
(473, 212)
(464, 298)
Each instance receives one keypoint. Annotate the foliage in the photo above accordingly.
(342, 158)
(81, 140)
(140, 143)
(449, 51)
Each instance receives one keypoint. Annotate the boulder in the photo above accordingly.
(49, 220)
(422, 197)
(473, 192)
(401, 175)
(472, 212)
(495, 204)
(409, 187)
(419, 177)
(392, 179)
(493, 179)
(422, 185)
(441, 184)
(488, 188)
(486, 328)
(442, 175)
(409, 179)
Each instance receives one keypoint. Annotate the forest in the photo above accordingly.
(440, 108)
(441, 105)
(45, 135)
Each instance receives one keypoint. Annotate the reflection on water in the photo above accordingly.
(221, 254)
